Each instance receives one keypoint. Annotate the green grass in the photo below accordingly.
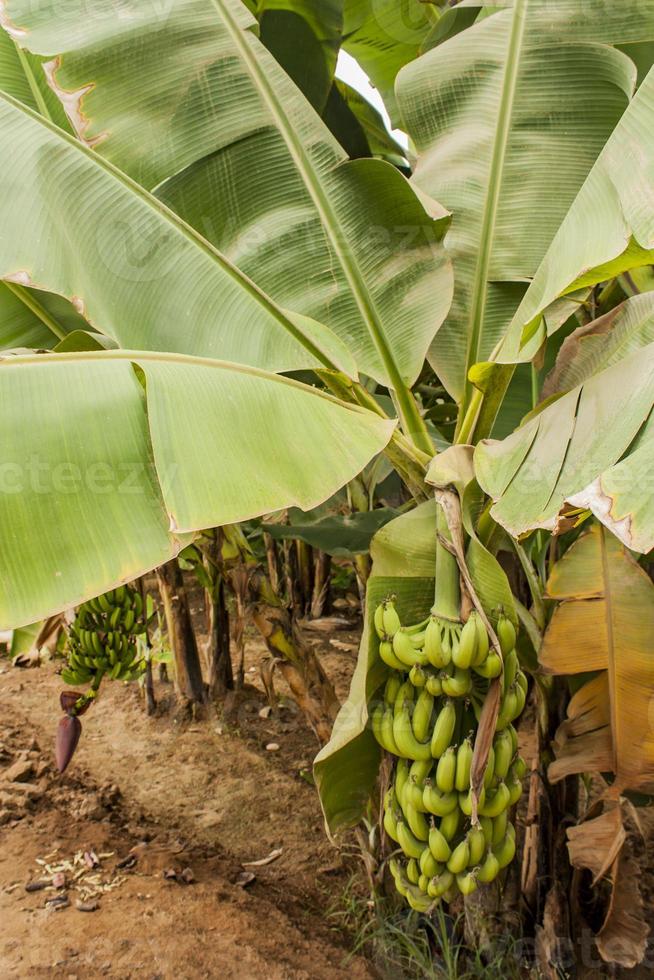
(403, 945)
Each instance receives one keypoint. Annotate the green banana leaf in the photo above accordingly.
(508, 116)
(359, 127)
(383, 36)
(340, 535)
(592, 447)
(101, 482)
(32, 318)
(147, 279)
(608, 229)
(305, 38)
(403, 561)
(22, 75)
(193, 104)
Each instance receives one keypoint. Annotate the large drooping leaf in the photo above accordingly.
(403, 562)
(593, 447)
(608, 229)
(23, 77)
(359, 127)
(383, 36)
(341, 535)
(102, 475)
(74, 225)
(508, 117)
(604, 622)
(605, 341)
(190, 101)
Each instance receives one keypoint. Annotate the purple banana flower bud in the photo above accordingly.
(68, 733)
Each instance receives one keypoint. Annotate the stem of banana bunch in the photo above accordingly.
(447, 593)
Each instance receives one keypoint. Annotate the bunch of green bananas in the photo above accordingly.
(427, 719)
(102, 638)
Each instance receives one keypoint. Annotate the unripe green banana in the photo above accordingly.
(405, 695)
(422, 715)
(411, 846)
(420, 769)
(434, 644)
(489, 870)
(390, 619)
(446, 770)
(128, 620)
(429, 865)
(439, 885)
(378, 621)
(407, 744)
(515, 790)
(459, 858)
(490, 768)
(518, 769)
(467, 882)
(440, 804)
(465, 802)
(438, 845)
(506, 634)
(521, 697)
(514, 737)
(412, 794)
(389, 658)
(104, 603)
(482, 640)
(387, 729)
(423, 883)
(401, 776)
(391, 688)
(491, 667)
(114, 618)
(486, 824)
(503, 747)
(495, 802)
(418, 902)
(119, 594)
(406, 652)
(434, 685)
(417, 676)
(463, 764)
(413, 871)
(510, 668)
(443, 729)
(417, 822)
(477, 843)
(449, 825)
(465, 653)
(457, 684)
(500, 823)
(522, 682)
(505, 851)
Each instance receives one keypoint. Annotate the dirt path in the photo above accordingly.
(207, 799)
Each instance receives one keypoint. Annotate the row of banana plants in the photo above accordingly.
(226, 291)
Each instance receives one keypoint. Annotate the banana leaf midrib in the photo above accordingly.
(492, 198)
(181, 227)
(364, 300)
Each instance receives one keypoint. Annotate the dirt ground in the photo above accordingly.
(171, 815)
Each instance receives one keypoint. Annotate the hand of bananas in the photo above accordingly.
(102, 639)
(427, 719)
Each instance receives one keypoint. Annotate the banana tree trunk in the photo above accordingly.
(189, 685)
(221, 676)
(321, 584)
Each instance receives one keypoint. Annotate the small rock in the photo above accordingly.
(91, 906)
(272, 747)
(35, 886)
(265, 712)
(187, 876)
(58, 902)
(244, 879)
(21, 772)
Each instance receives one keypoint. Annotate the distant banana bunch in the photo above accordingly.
(102, 640)
(427, 719)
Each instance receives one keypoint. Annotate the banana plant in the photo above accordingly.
(196, 221)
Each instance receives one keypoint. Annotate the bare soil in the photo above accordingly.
(173, 814)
